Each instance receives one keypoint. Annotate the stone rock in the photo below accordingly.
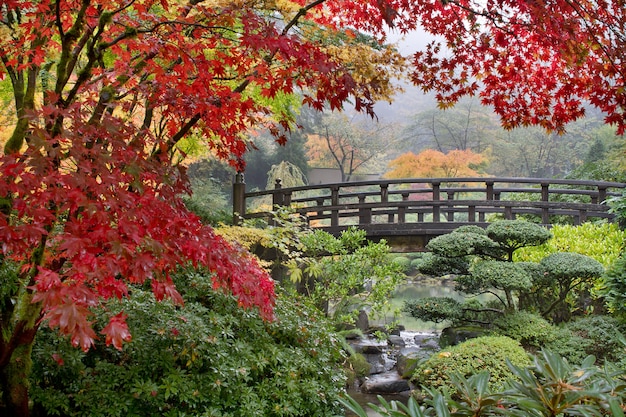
(396, 341)
(427, 341)
(407, 360)
(352, 334)
(368, 346)
(397, 330)
(380, 363)
(362, 321)
(385, 383)
(452, 336)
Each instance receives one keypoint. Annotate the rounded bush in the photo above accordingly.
(436, 265)
(461, 244)
(517, 233)
(403, 261)
(471, 228)
(487, 353)
(415, 263)
(435, 309)
(568, 265)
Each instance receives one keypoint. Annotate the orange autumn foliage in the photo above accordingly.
(434, 164)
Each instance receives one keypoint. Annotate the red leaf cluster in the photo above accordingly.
(535, 62)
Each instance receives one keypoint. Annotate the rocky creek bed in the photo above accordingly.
(390, 359)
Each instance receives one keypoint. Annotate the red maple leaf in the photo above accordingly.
(116, 332)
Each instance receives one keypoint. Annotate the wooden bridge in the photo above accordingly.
(408, 212)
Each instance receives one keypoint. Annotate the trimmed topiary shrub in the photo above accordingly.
(435, 309)
(470, 228)
(403, 261)
(512, 235)
(488, 353)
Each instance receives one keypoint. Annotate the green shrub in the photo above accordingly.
(512, 235)
(614, 289)
(438, 266)
(602, 242)
(531, 330)
(435, 309)
(457, 244)
(603, 336)
(554, 387)
(568, 345)
(403, 261)
(210, 357)
(487, 353)
(415, 263)
(471, 228)
(358, 367)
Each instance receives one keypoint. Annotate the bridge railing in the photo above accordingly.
(388, 205)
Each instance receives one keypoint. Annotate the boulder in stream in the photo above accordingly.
(386, 383)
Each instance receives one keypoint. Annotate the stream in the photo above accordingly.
(413, 327)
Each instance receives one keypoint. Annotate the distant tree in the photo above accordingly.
(433, 164)
(288, 174)
(533, 152)
(466, 126)
(294, 151)
(603, 161)
(348, 143)
(596, 152)
(259, 162)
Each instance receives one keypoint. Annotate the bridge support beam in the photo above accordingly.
(239, 199)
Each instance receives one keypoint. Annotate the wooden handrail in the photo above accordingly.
(435, 200)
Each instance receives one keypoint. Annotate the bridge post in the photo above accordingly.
(334, 200)
(239, 198)
(277, 195)
(365, 214)
(450, 215)
(545, 196)
(601, 195)
(489, 192)
(436, 197)
(489, 196)
(384, 192)
(402, 209)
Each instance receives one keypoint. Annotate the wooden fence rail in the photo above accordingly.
(431, 205)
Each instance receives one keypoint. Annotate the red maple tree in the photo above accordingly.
(90, 187)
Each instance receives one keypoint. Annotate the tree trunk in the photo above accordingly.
(16, 345)
(14, 378)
